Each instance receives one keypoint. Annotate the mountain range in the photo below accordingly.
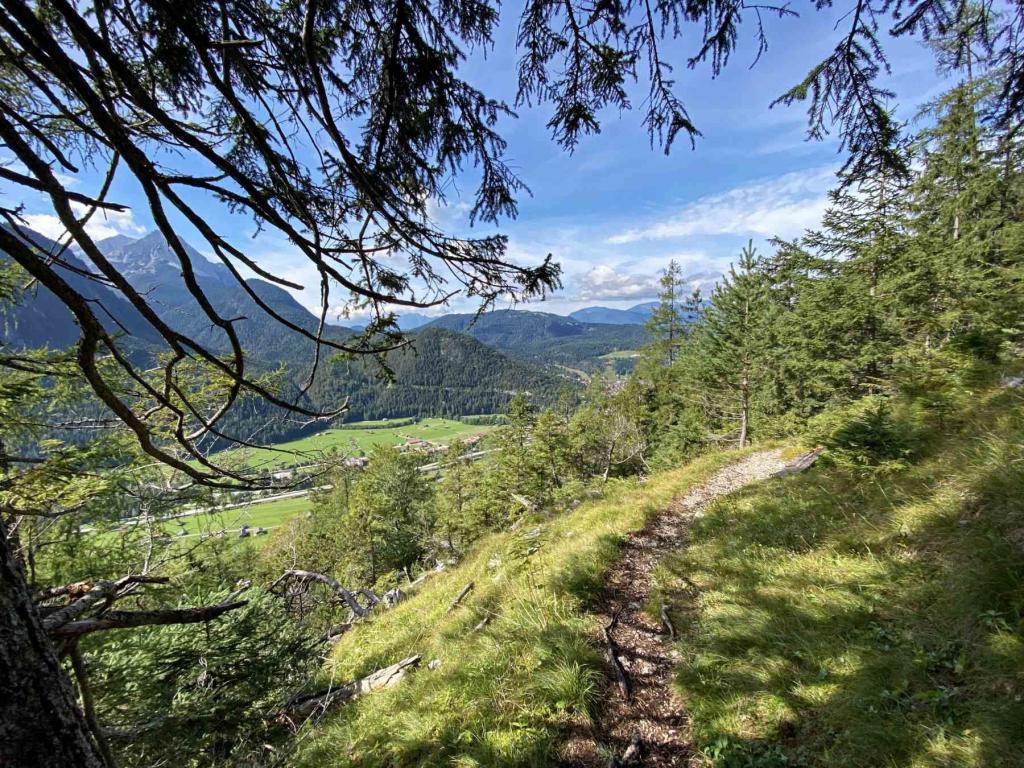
(544, 338)
(456, 364)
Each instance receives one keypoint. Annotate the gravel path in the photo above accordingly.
(652, 712)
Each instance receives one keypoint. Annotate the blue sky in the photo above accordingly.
(616, 211)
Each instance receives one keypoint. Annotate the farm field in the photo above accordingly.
(621, 354)
(355, 439)
(260, 515)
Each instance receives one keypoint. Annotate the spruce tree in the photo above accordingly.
(667, 325)
(731, 344)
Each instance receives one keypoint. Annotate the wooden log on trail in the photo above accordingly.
(800, 463)
(301, 708)
(458, 598)
(667, 622)
(612, 654)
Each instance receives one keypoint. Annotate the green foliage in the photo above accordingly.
(389, 517)
(545, 338)
(852, 623)
(865, 435)
(203, 695)
(505, 694)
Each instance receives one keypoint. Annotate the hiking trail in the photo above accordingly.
(652, 718)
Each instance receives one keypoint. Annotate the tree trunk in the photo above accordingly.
(40, 724)
(744, 409)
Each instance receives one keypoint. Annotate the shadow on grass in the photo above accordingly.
(851, 621)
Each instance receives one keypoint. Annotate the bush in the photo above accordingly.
(865, 435)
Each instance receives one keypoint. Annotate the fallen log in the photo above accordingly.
(127, 619)
(612, 655)
(301, 708)
(458, 598)
(99, 591)
(333, 633)
(800, 463)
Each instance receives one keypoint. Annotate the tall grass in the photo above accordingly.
(851, 617)
(506, 694)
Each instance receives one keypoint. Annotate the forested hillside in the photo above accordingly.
(438, 373)
(546, 338)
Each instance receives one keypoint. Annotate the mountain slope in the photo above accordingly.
(637, 315)
(41, 319)
(441, 374)
(153, 269)
(545, 338)
(506, 691)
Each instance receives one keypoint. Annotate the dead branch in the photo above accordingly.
(102, 590)
(126, 619)
(632, 756)
(301, 708)
(371, 599)
(333, 633)
(458, 598)
(800, 463)
(89, 704)
(667, 622)
(306, 576)
(612, 654)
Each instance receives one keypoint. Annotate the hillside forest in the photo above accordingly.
(448, 605)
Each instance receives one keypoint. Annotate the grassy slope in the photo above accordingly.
(356, 440)
(849, 621)
(504, 695)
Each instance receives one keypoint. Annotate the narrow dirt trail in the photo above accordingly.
(652, 712)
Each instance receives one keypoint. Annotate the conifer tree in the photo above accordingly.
(666, 324)
(849, 303)
(731, 344)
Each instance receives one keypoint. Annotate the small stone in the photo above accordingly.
(434, 664)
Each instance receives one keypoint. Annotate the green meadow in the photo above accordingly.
(355, 439)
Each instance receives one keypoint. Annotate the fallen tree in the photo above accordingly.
(300, 708)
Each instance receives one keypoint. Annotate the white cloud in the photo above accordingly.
(102, 224)
(604, 282)
(784, 206)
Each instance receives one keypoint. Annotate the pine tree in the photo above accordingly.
(848, 305)
(732, 340)
(666, 324)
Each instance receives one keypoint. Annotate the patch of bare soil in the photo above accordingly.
(640, 720)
